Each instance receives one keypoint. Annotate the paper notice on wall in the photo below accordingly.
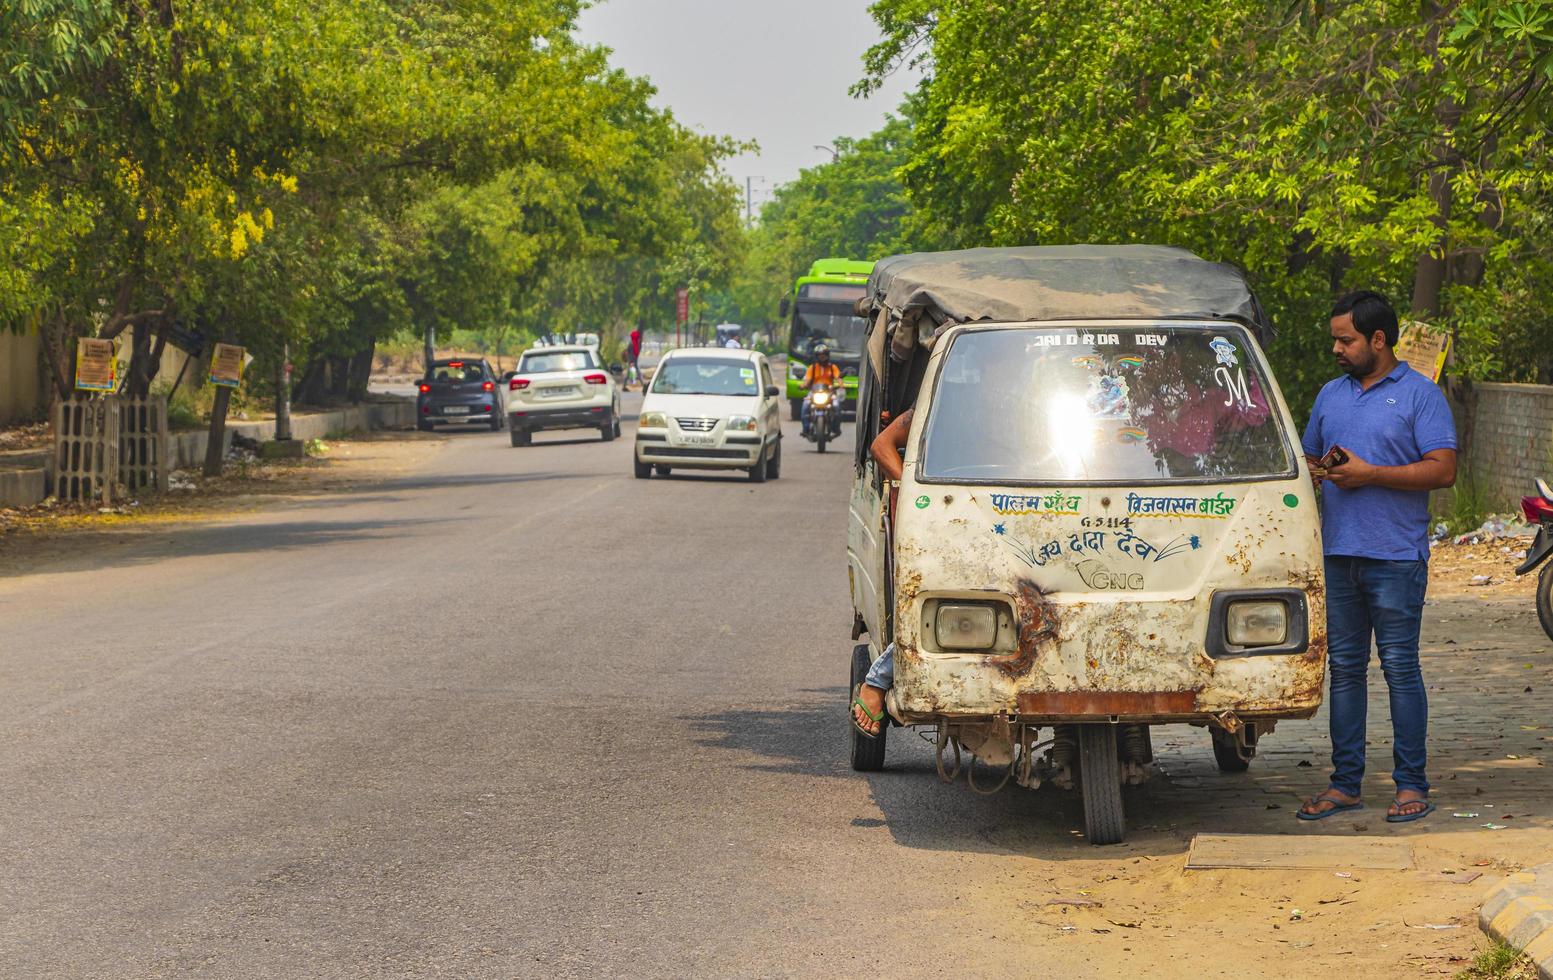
(1424, 349)
(226, 365)
(96, 368)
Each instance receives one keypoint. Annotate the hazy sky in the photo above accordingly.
(776, 73)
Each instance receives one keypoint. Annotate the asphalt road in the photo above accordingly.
(514, 713)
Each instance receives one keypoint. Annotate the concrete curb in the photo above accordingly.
(26, 487)
(1519, 913)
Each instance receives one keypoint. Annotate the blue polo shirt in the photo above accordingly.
(1401, 417)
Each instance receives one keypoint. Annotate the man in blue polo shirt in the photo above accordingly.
(1387, 433)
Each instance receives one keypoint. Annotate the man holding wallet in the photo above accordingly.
(1381, 437)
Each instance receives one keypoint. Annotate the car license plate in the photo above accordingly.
(555, 392)
(455, 410)
(697, 440)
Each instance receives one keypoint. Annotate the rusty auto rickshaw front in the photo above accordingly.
(1103, 522)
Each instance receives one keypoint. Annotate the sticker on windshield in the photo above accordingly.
(1129, 435)
(1225, 351)
(748, 374)
(1108, 398)
(1127, 362)
(1093, 362)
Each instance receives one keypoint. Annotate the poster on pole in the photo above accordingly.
(96, 365)
(1424, 349)
(682, 305)
(226, 365)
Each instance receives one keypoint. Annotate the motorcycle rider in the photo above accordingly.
(821, 372)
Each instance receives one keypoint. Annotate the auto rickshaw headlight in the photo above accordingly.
(1257, 623)
(966, 626)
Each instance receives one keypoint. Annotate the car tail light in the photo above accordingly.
(1537, 509)
(488, 386)
(517, 384)
(595, 379)
(457, 364)
(425, 389)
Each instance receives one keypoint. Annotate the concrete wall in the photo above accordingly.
(21, 389)
(1511, 441)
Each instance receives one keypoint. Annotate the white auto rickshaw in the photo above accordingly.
(1103, 523)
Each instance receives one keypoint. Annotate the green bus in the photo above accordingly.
(822, 313)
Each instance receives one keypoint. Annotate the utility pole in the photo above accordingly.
(283, 395)
(749, 198)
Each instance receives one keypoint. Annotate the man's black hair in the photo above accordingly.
(1372, 314)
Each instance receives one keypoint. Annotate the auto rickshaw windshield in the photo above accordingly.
(1145, 404)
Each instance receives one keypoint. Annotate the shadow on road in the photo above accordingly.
(135, 546)
(464, 480)
(810, 739)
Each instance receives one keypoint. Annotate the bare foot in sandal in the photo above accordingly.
(869, 716)
(1326, 803)
(1409, 805)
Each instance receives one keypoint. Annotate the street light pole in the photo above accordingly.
(834, 156)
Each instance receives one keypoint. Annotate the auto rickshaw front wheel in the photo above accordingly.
(867, 753)
(1226, 752)
(1100, 778)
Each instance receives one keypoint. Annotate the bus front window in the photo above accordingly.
(841, 331)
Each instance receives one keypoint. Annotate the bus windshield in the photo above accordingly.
(835, 326)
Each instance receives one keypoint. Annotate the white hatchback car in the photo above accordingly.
(563, 387)
(711, 408)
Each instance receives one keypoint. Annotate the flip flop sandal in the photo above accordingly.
(878, 719)
(1410, 817)
(1338, 806)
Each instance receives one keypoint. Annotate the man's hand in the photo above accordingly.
(1317, 471)
(1353, 474)
(1435, 471)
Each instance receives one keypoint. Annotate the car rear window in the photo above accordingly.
(1145, 404)
(705, 376)
(458, 371)
(561, 360)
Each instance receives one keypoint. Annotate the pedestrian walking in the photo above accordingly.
(1380, 437)
(634, 358)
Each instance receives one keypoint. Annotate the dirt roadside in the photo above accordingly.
(36, 534)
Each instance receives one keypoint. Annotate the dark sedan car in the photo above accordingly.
(459, 392)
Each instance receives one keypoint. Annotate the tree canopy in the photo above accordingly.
(325, 173)
(1322, 145)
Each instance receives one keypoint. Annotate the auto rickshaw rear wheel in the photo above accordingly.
(867, 753)
(1100, 776)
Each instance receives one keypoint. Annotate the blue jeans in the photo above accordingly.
(1368, 596)
(882, 673)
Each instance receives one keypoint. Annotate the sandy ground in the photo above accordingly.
(42, 532)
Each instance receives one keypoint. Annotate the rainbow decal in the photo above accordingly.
(1092, 361)
(1130, 434)
(1127, 361)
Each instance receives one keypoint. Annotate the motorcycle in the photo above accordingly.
(824, 416)
(1539, 511)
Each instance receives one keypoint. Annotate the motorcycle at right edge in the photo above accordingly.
(1539, 511)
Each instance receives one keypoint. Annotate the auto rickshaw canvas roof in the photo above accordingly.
(1061, 282)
